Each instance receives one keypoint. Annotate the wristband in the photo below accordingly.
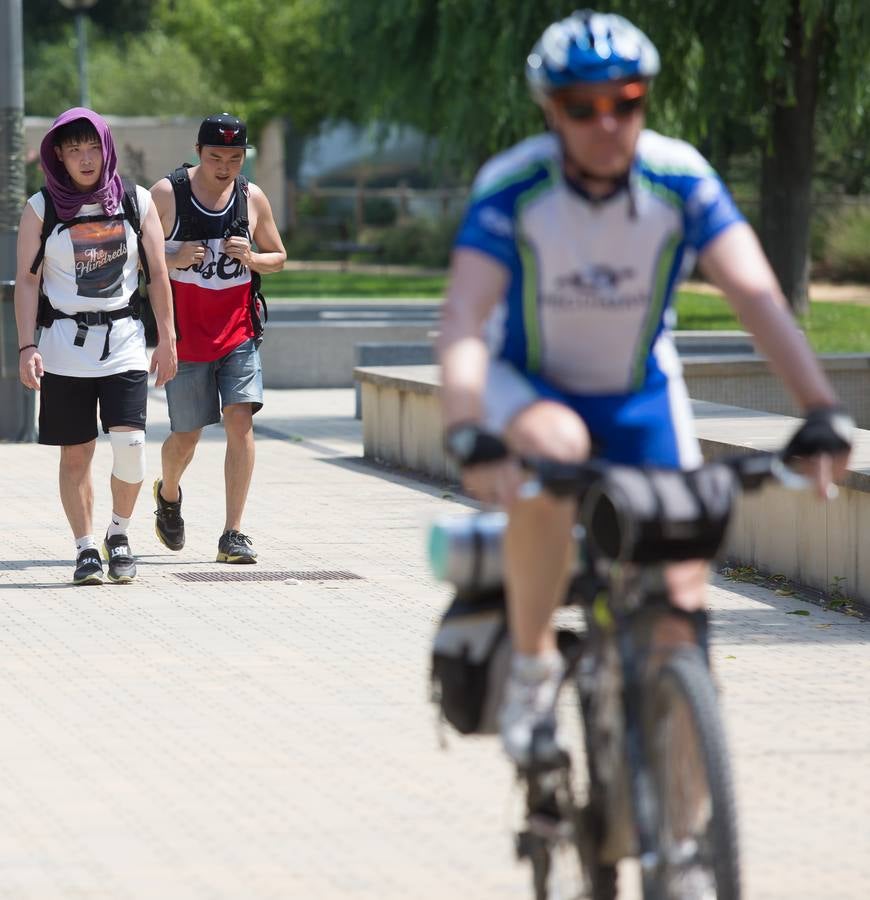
(470, 445)
(27, 347)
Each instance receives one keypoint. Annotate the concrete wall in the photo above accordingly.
(779, 531)
(322, 353)
(746, 381)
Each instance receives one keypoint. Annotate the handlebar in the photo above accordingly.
(649, 515)
(751, 472)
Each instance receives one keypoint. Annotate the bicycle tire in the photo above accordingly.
(683, 730)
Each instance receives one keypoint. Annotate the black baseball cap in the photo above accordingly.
(223, 130)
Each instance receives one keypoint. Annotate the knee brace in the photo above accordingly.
(128, 450)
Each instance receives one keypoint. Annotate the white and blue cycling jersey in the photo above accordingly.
(590, 280)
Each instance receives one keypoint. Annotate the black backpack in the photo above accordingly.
(47, 315)
(188, 231)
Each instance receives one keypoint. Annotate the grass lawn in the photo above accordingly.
(371, 286)
(831, 327)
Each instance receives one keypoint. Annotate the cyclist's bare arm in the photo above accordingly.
(735, 263)
(477, 283)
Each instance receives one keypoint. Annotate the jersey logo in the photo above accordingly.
(228, 134)
(596, 287)
(595, 278)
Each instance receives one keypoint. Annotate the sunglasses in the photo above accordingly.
(632, 98)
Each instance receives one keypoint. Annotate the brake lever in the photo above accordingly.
(794, 481)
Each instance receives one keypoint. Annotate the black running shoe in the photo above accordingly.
(235, 547)
(89, 567)
(122, 566)
(169, 525)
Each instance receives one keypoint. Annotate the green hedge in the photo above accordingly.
(420, 242)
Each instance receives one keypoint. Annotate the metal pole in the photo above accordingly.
(82, 37)
(17, 404)
(11, 133)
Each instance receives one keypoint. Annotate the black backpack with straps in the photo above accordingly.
(47, 315)
(188, 230)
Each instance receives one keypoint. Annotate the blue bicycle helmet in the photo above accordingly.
(589, 48)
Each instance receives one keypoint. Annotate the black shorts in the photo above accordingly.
(68, 405)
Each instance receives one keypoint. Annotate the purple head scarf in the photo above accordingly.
(67, 199)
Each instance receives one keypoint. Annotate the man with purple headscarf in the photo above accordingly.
(79, 255)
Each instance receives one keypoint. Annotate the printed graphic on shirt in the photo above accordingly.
(216, 263)
(100, 251)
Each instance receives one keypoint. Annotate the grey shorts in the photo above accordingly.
(200, 390)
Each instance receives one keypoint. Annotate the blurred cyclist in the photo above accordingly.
(555, 338)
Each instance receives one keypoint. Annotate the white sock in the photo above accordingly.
(85, 543)
(118, 525)
(532, 668)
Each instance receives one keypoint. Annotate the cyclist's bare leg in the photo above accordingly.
(538, 543)
(686, 586)
(686, 583)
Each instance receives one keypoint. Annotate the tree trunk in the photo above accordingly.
(787, 166)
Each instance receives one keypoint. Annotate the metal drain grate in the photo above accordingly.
(317, 575)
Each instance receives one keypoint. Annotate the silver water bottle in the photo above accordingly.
(466, 551)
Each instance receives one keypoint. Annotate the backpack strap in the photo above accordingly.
(180, 181)
(242, 192)
(130, 205)
(257, 303)
(49, 223)
(242, 197)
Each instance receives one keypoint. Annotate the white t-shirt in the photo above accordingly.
(92, 266)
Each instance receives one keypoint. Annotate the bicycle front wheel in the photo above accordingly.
(696, 827)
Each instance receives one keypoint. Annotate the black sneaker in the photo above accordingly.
(89, 567)
(169, 525)
(235, 547)
(122, 566)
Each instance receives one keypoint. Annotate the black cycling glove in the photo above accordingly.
(826, 430)
(471, 445)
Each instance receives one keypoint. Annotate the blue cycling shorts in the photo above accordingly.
(653, 426)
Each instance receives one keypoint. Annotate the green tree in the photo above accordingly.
(781, 66)
(128, 77)
(47, 20)
(735, 73)
(269, 56)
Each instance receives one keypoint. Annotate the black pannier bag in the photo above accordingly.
(471, 656)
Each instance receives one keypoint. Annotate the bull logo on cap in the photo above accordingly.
(228, 134)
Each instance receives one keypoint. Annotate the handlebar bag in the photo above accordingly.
(645, 515)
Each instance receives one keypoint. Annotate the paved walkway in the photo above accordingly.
(273, 739)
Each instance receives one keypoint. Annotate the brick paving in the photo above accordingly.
(274, 739)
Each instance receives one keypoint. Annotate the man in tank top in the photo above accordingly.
(210, 255)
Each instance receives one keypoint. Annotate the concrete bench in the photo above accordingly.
(692, 343)
(778, 531)
(385, 353)
(746, 381)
